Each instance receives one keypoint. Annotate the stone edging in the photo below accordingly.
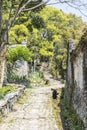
(7, 103)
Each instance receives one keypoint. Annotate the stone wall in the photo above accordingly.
(76, 86)
(8, 101)
(22, 68)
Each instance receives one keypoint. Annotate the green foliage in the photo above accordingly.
(51, 41)
(47, 32)
(38, 21)
(36, 76)
(18, 33)
(33, 3)
(57, 110)
(46, 48)
(22, 100)
(18, 53)
(12, 77)
(70, 116)
(36, 79)
(59, 28)
(14, 54)
(12, 8)
(5, 89)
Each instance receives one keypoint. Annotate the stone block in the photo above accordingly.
(3, 107)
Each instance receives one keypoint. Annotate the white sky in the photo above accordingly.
(69, 9)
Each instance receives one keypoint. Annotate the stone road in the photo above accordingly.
(35, 114)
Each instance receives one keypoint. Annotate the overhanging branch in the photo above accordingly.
(36, 6)
(22, 8)
(79, 5)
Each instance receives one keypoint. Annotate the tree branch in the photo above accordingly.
(80, 6)
(36, 6)
(77, 9)
(21, 8)
(16, 14)
(9, 21)
(24, 6)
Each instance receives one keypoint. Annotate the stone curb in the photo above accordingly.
(7, 103)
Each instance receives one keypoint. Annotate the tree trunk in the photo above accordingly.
(3, 41)
(1, 2)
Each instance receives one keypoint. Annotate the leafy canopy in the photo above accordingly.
(18, 53)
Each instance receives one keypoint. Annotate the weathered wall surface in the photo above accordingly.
(22, 68)
(69, 78)
(79, 97)
(77, 78)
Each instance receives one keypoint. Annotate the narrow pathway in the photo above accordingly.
(36, 113)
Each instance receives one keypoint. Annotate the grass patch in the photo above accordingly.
(70, 116)
(57, 110)
(0, 118)
(6, 89)
(65, 115)
(36, 79)
(36, 76)
(12, 121)
(29, 85)
(23, 98)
